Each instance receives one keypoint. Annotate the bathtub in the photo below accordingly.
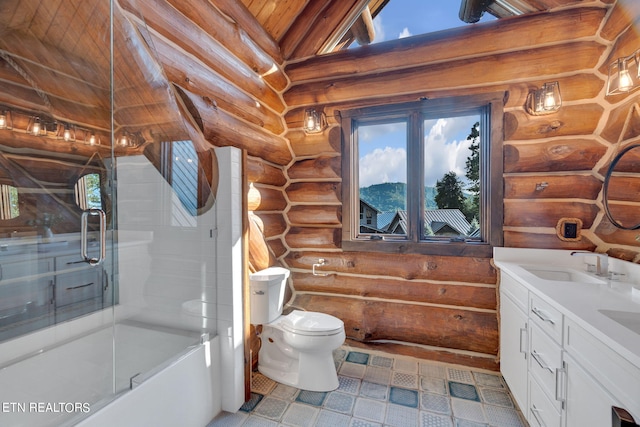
(162, 378)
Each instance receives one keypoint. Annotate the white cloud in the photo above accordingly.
(379, 29)
(444, 153)
(405, 33)
(383, 165)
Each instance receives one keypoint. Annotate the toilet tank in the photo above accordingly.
(267, 294)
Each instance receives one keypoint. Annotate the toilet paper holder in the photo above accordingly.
(320, 263)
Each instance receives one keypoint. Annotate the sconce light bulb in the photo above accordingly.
(124, 141)
(625, 82)
(92, 139)
(549, 100)
(67, 134)
(3, 120)
(36, 127)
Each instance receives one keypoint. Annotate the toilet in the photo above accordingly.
(297, 348)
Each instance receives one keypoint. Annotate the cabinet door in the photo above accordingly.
(514, 348)
(587, 403)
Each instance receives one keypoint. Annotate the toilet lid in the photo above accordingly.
(311, 323)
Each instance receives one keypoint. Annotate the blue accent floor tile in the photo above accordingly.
(404, 397)
(315, 398)
(463, 391)
(358, 357)
(250, 404)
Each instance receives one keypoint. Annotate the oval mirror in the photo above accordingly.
(621, 192)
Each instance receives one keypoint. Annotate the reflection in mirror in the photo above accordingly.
(8, 202)
(87, 190)
(621, 192)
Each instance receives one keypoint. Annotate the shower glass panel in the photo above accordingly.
(55, 132)
(166, 176)
(107, 226)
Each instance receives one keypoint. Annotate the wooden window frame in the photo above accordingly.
(491, 197)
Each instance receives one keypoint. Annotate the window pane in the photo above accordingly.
(184, 180)
(382, 177)
(452, 178)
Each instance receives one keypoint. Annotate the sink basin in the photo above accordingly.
(628, 319)
(562, 274)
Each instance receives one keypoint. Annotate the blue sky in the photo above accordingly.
(402, 18)
(382, 149)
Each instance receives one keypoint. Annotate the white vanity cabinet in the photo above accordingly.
(588, 403)
(514, 337)
(571, 373)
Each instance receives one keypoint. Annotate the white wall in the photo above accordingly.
(230, 276)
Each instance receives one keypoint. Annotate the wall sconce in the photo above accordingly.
(36, 126)
(125, 140)
(91, 139)
(129, 140)
(67, 132)
(6, 121)
(624, 75)
(545, 100)
(314, 122)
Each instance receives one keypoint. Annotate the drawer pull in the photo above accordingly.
(538, 358)
(536, 412)
(523, 331)
(78, 287)
(560, 374)
(542, 315)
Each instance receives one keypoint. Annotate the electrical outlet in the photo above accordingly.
(570, 230)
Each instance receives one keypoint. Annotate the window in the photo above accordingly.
(424, 177)
(9, 207)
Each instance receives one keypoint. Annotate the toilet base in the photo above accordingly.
(306, 371)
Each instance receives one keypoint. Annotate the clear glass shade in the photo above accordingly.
(623, 75)
(545, 100)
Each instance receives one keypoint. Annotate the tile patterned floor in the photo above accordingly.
(378, 389)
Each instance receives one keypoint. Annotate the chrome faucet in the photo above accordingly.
(602, 263)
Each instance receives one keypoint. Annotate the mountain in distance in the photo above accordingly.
(391, 196)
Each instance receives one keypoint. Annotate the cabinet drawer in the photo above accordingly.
(545, 364)
(77, 286)
(548, 318)
(541, 412)
(518, 293)
(24, 269)
(68, 262)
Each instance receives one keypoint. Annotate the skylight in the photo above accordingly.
(405, 18)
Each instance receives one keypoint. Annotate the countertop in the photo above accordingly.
(581, 302)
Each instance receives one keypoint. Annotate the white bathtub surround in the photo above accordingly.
(83, 372)
(230, 275)
(161, 355)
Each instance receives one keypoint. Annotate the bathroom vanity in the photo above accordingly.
(46, 282)
(569, 338)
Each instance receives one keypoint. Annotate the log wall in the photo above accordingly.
(443, 308)
(446, 307)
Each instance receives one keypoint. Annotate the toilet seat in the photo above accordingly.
(310, 323)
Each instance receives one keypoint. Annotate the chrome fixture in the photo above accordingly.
(314, 122)
(320, 263)
(602, 265)
(545, 100)
(624, 74)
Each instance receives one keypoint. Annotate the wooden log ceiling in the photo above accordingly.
(245, 70)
